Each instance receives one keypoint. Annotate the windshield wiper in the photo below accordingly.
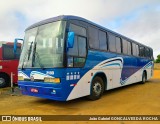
(30, 49)
(36, 55)
(27, 53)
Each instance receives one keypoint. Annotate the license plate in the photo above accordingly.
(34, 90)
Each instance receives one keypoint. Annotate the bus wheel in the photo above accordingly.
(3, 81)
(97, 88)
(143, 78)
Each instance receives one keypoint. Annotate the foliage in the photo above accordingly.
(158, 59)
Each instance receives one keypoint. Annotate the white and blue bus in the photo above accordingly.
(68, 57)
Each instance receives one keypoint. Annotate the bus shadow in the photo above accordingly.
(155, 80)
(85, 100)
(62, 104)
(130, 87)
(119, 89)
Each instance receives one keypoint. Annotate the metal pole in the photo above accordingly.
(12, 88)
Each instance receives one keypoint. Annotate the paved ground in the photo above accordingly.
(136, 99)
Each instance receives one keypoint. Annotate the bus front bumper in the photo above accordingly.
(47, 91)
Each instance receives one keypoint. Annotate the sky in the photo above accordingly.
(136, 19)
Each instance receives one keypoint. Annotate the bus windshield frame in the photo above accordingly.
(44, 46)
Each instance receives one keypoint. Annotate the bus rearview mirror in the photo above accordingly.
(15, 44)
(70, 40)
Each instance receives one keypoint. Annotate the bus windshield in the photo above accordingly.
(44, 46)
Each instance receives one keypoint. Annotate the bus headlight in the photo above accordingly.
(52, 80)
(20, 78)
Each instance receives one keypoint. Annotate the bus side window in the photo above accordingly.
(77, 54)
(112, 42)
(147, 52)
(102, 40)
(151, 54)
(93, 38)
(137, 49)
(141, 50)
(125, 46)
(74, 51)
(77, 30)
(80, 60)
(134, 50)
(8, 53)
(82, 46)
(118, 45)
(70, 62)
(129, 48)
(148, 56)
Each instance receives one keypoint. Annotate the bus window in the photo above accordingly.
(78, 30)
(147, 53)
(77, 54)
(151, 54)
(8, 53)
(70, 62)
(82, 46)
(112, 42)
(141, 51)
(79, 62)
(93, 38)
(137, 49)
(125, 46)
(74, 51)
(129, 48)
(134, 50)
(102, 40)
(118, 45)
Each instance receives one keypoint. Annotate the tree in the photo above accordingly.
(158, 59)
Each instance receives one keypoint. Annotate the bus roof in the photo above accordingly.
(70, 17)
(5, 42)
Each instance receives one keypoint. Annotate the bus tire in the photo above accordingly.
(4, 81)
(143, 78)
(97, 88)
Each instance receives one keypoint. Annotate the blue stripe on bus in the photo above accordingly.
(111, 65)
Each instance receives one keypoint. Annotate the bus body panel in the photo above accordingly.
(69, 78)
(8, 66)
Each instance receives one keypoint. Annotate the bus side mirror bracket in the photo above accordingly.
(15, 45)
(70, 40)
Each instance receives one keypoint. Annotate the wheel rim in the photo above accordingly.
(97, 88)
(2, 80)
